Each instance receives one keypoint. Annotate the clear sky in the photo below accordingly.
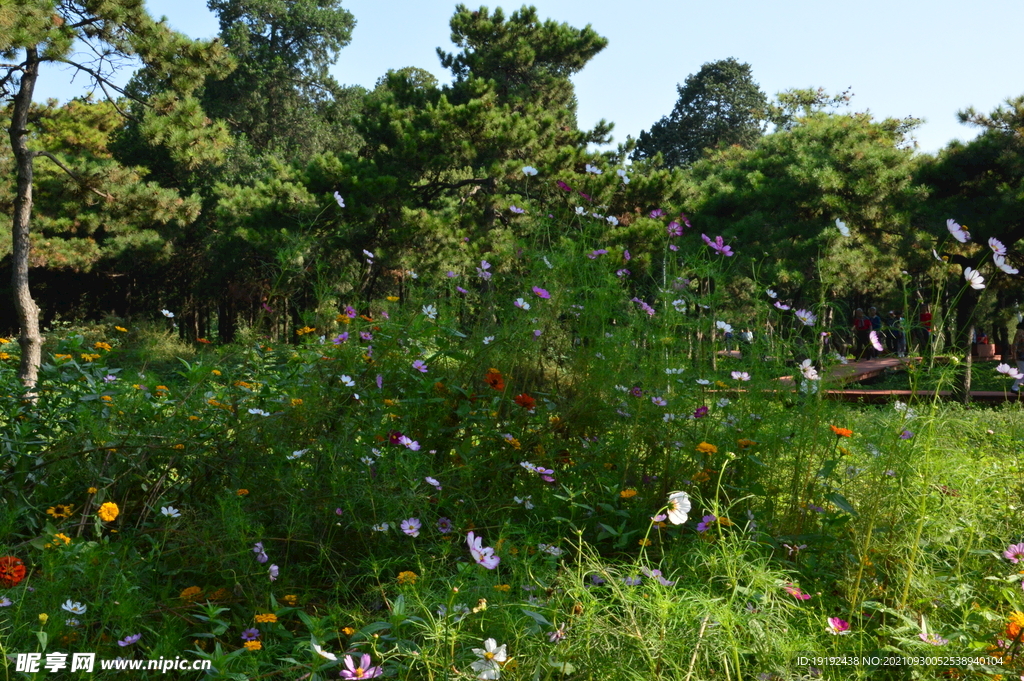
(923, 58)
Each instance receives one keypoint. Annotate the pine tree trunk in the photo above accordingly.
(31, 340)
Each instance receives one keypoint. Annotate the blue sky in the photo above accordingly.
(912, 58)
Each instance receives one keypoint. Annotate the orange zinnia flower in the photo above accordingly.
(841, 432)
(494, 379)
(525, 401)
(12, 571)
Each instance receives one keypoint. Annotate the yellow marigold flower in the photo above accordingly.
(179, 446)
(296, 401)
(108, 511)
(304, 330)
(60, 510)
(701, 476)
(390, 403)
(722, 520)
(106, 398)
(705, 448)
(242, 492)
(59, 539)
(88, 357)
(121, 329)
(290, 599)
(100, 345)
(4, 341)
(744, 443)
(266, 618)
(162, 388)
(627, 493)
(193, 418)
(191, 593)
(63, 356)
(215, 372)
(344, 319)
(92, 490)
(43, 618)
(253, 645)
(4, 355)
(407, 577)
(348, 631)
(721, 384)
(644, 542)
(502, 587)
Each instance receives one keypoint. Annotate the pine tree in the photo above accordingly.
(42, 31)
(719, 105)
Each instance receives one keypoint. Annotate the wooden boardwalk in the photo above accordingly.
(861, 370)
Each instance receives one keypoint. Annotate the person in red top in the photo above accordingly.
(861, 329)
(924, 329)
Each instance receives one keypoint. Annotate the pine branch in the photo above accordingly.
(75, 176)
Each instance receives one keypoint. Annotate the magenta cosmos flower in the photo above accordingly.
(541, 293)
(364, 670)
(1014, 553)
(796, 593)
(718, 245)
(838, 626)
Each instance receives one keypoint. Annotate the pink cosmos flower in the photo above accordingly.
(838, 626)
(273, 572)
(997, 246)
(350, 312)
(1014, 553)
(781, 306)
(563, 186)
(659, 401)
(483, 555)
(796, 593)
(674, 229)
(516, 210)
(340, 338)
(363, 671)
(717, 245)
(541, 293)
(420, 365)
(656, 213)
(740, 376)
(434, 482)
(932, 639)
(626, 256)
(876, 343)
(593, 254)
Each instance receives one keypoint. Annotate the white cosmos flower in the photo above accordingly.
(678, 507)
(323, 653)
(772, 294)
(703, 381)
(806, 316)
(727, 328)
(997, 246)
(430, 311)
(1009, 371)
(529, 171)
(74, 607)
(958, 232)
(297, 454)
(621, 172)
(521, 304)
(491, 657)
(1000, 261)
(974, 278)
(841, 226)
(259, 412)
(347, 380)
(612, 220)
(170, 511)
(167, 313)
(580, 210)
(937, 256)
(594, 170)
(488, 340)
(341, 201)
(807, 369)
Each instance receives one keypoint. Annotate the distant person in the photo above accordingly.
(895, 339)
(1017, 354)
(861, 331)
(923, 332)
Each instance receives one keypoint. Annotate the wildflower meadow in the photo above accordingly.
(537, 464)
(304, 381)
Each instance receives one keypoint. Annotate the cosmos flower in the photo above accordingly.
(541, 293)
(521, 304)
(841, 226)
(593, 170)
(876, 342)
(1010, 371)
(771, 294)
(170, 511)
(838, 626)
(679, 506)
(806, 316)
(492, 656)
(529, 171)
(958, 232)
(740, 376)
(483, 555)
(1000, 262)
(364, 670)
(974, 278)
(341, 201)
(411, 527)
(718, 245)
(997, 246)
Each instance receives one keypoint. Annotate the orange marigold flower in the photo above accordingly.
(348, 631)
(266, 618)
(525, 401)
(92, 490)
(108, 512)
(12, 571)
(407, 577)
(494, 379)
(290, 599)
(644, 542)
(253, 645)
(121, 329)
(100, 345)
(627, 493)
(242, 492)
(841, 432)
(191, 593)
(707, 448)
(744, 443)
(1015, 625)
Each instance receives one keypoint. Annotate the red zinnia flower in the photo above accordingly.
(494, 379)
(12, 571)
(525, 401)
